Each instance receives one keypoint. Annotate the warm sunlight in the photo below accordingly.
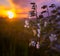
(10, 14)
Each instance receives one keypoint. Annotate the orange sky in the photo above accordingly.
(6, 5)
(21, 7)
(19, 12)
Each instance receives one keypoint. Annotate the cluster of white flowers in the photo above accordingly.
(32, 43)
(38, 33)
(38, 24)
(53, 37)
(26, 24)
(38, 45)
(35, 32)
(45, 24)
(38, 30)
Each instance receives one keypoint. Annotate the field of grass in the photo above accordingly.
(13, 38)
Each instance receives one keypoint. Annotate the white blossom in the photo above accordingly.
(37, 45)
(52, 37)
(26, 24)
(32, 43)
(38, 24)
(45, 24)
(38, 31)
(38, 35)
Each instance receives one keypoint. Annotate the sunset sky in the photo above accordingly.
(22, 7)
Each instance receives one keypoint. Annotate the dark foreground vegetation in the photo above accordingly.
(14, 39)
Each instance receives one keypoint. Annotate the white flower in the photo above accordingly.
(45, 24)
(32, 43)
(37, 45)
(26, 24)
(52, 37)
(38, 35)
(38, 31)
(38, 24)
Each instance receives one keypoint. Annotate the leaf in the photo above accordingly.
(53, 16)
(33, 7)
(54, 11)
(32, 3)
(32, 13)
(43, 12)
(52, 5)
(58, 13)
(58, 8)
(43, 7)
(40, 16)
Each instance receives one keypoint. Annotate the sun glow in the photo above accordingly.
(10, 14)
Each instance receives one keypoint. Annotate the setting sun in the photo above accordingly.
(10, 14)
